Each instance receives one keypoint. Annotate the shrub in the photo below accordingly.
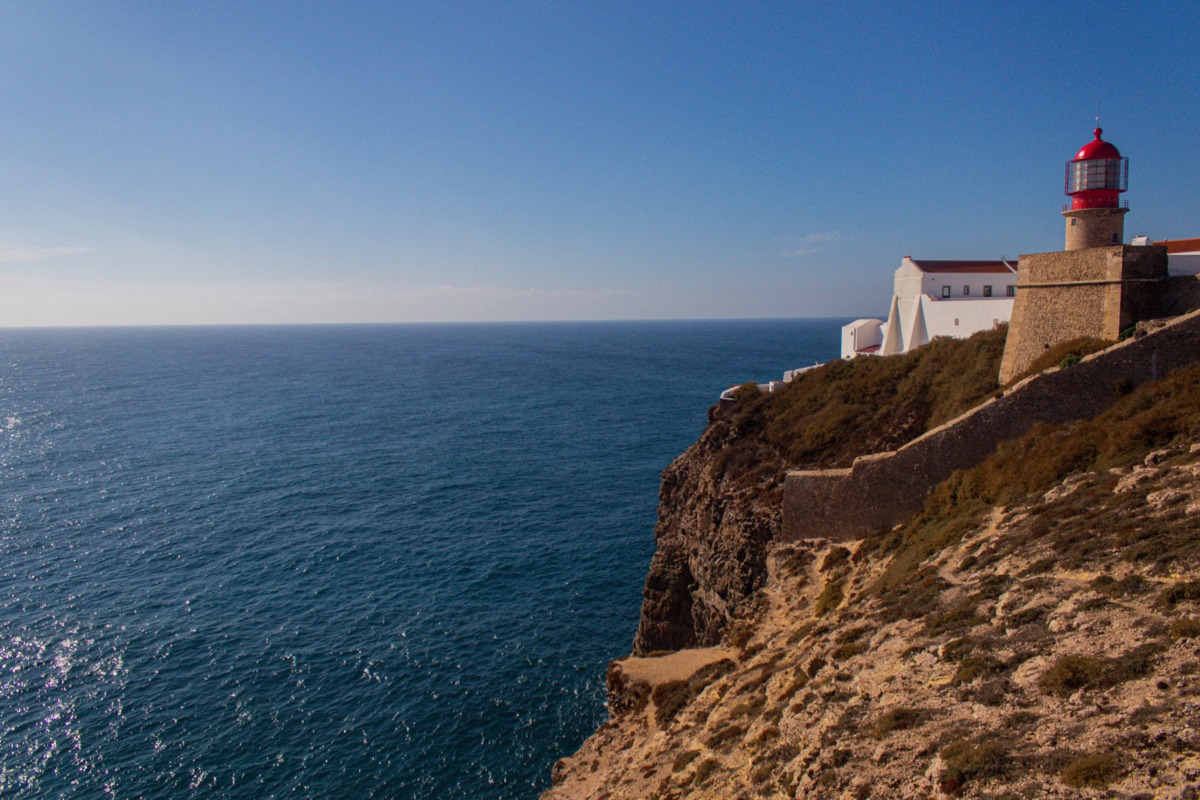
(989, 693)
(979, 666)
(848, 650)
(1084, 523)
(1132, 584)
(967, 759)
(1092, 771)
(1069, 674)
(1186, 628)
(1180, 592)
(1020, 719)
(895, 719)
(960, 617)
(830, 598)
(848, 408)
(739, 633)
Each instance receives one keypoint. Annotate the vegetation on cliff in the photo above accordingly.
(844, 409)
(1086, 520)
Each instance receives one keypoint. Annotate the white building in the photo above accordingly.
(936, 298)
(1183, 255)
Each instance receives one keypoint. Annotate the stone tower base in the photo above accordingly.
(1094, 227)
(1095, 292)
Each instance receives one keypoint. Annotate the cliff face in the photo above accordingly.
(1033, 632)
(711, 538)
(720, 502)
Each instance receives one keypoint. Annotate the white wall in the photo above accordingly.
(860, 334)
(1184, 264)
(932, 285)
(962, 318)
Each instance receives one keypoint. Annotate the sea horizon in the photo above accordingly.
(405, 323)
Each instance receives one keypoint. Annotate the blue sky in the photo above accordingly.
(210, 162)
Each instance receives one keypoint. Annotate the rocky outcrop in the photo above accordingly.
(711, 537)
(720, 502)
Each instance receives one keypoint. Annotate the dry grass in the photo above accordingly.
(847, 408)
(1063, 354)
(1095, 770)
(1079, 527)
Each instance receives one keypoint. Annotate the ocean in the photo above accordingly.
(335, 561)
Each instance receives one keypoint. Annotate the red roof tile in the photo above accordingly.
(1181, 245)
(959, 267)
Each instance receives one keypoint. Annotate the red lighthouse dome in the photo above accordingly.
(1097, 175)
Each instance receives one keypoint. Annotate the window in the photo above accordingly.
(966, 291)
(1010, 291)
(1116, 238)
(987, 291)
(956, 322)
(945, 291)
(1074, 222)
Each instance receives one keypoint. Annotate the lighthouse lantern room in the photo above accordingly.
(1095, 179)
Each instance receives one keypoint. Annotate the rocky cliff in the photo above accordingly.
(1033, 632)
(720, 502)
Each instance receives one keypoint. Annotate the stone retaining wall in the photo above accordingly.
(884, 489)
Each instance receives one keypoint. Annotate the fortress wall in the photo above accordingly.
(1097, 292)
(884, 489)
(1182, 294)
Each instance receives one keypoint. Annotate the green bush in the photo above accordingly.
(979, 666)
(1080, 526)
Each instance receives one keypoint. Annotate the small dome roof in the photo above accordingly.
(1097, 148)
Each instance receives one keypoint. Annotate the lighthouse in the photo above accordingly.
(1096, 177)
(1098, 286)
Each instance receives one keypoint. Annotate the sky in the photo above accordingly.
(305, 162)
